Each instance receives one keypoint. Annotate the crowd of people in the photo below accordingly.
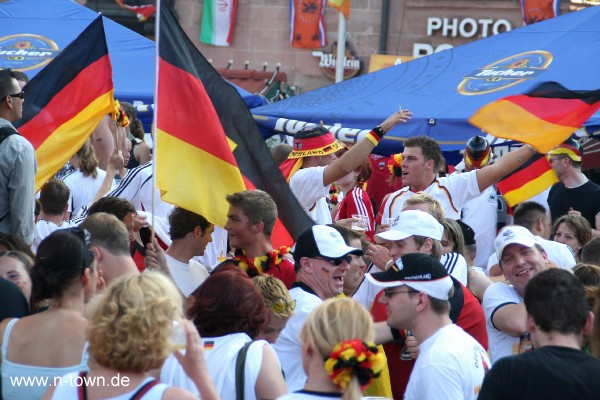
(436, 290)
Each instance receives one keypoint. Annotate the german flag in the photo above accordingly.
(531, 178)
(66, 101)
(207, 143)
(544, 117)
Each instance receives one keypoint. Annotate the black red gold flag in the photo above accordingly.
(532, 178)
(65, 102)
(207, 143)
(545, 117)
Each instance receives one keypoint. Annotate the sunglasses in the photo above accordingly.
(20, 95)
(281, 305)
(86, 238)
(390, 292)
(338, 261)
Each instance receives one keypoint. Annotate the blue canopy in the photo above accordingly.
(444, 89)
(32, 32)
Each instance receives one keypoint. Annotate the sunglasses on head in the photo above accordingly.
(86, 238)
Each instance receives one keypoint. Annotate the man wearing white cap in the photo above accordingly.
(451, 364)
(321, 260)
(415, 231)
(520, 259)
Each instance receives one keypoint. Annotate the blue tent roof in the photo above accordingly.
(48, 26)
(444, 89)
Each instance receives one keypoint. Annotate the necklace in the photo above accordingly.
(261, 264)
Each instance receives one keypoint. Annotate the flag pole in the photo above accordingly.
(153, 126)
(341, 48)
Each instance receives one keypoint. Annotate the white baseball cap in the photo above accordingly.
(513, 234)
(323, 241)
(420, 272)
(413, 222)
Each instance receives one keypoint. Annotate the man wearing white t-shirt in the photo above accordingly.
(521, 258)
(54, 199)
(451, 364)
(421, 160)
(312, 165)
(190, 233)
(321, 260)
(534, 217)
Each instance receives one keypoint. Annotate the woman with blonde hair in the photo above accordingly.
(130, 332)
(339, 331)
(280, 306)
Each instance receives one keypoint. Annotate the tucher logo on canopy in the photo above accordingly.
(24, 52)
(505, 73)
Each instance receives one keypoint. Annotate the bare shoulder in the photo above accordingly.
(175, 393)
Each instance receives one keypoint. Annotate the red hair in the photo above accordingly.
(227, 302)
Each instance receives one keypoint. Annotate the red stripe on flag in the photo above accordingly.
(565, 112)
(68, 102)
(181, 93)
(522, 176)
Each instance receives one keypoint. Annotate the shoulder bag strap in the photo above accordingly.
(144, 389)
(239, 371)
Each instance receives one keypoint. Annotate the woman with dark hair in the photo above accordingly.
(229, 313)
(52, 343)
(573, 230)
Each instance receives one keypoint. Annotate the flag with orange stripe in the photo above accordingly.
(532, 178)
(544, 117)
(342, 6)
(65, 102)
(207, 143)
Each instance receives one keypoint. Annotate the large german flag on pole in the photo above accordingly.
(544, 117)
(65, 102)
(207, 143)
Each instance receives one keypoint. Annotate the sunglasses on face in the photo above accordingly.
(338, 261)
(20, 95)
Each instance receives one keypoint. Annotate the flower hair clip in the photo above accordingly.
(354, 358)
(395, 161)
(119, 115)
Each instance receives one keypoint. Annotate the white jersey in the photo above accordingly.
(501, 344)
(69, 389)
(83, 190)
(288, 345)
(559, 253)
(367, 290)
(220, 354)
(481, 214)
(138, 188)
(314, 395)
(456, 265)
(451, 191)
(451, 365)
(187, 276)
(45, 228)
(307, 186)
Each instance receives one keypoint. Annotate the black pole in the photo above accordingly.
(383, 35)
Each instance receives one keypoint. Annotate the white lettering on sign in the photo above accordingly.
(466, 27)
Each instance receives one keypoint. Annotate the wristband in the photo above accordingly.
(379, 132)
(375, 135)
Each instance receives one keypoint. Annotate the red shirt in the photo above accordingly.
(356, 201)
